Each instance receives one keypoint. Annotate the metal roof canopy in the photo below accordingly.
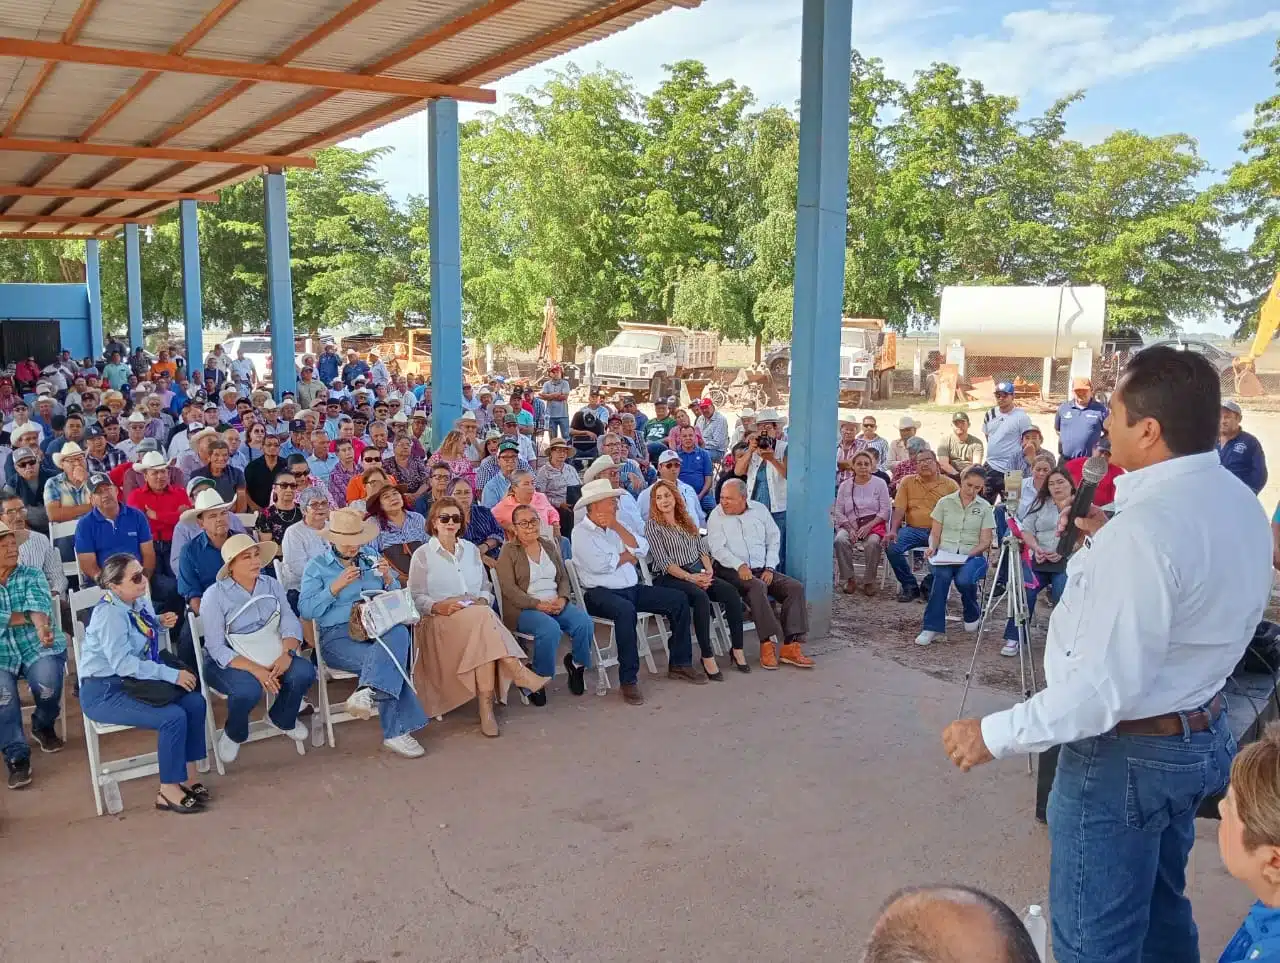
(113, 110)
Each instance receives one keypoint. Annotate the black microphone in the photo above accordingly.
(1091, 472)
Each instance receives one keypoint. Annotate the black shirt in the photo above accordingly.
(259, 477)
(276, 521)
(586, 421)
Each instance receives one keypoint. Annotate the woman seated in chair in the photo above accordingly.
(479, 527)
(535, 601)
(559, 481)
(862, 513)
(466, 651)
(963, 525)
(122, 675)
(1038, 522)
(252, 641)
(524, 492)
(681, 561)
(331, 584)
(400, 531)
(303, 542)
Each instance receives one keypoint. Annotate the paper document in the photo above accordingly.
(948, 558)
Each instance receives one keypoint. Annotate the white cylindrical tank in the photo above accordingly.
(1022, 322)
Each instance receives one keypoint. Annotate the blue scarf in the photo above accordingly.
(144, 622)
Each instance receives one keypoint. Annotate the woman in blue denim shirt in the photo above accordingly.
(331, 584)
(122, 642)
(1249, 841)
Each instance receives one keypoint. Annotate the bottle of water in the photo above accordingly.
(111, 796)
(317, 729)
(602, 683)
(1038, 928)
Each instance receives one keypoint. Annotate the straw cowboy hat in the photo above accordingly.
(69, 450)
(601, 464)
(207, 501)
(237, 545)
(347, 528)
(598, 491)
(557, 443)
(152, 459)
(906, 421)
(767, 414)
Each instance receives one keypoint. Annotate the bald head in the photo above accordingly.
(948, 924)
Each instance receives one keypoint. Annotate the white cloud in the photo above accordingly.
(1242, 121)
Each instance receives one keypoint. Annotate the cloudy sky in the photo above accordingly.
(1196, 66)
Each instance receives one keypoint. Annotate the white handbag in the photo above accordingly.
(385, 610)
(263, 645)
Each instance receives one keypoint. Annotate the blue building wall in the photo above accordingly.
(68, 304)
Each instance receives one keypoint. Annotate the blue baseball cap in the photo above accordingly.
(1004, 387)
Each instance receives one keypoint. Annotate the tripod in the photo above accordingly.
(1015, 605)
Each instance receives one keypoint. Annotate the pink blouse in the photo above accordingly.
(854, 501)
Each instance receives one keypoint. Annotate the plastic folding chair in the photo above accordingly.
(607, 654)
(720, 643)
(325, 675)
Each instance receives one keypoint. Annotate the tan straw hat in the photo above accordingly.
(237, 545)
(69, 450)
(207, 501)
(348, 528)
(598, 491)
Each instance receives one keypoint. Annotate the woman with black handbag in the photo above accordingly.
(126, 680)
(400, 531)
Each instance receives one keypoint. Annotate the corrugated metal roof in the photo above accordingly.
(468, 42)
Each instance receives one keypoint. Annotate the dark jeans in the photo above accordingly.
(621, 606)
(967, 578)
(700, 601)
(1121, 825)
(994, 487)
(795, 617)
(44, 677)
(180, 724)
(899, 551)
(780, 519)
(1057, 583)
(244, 692)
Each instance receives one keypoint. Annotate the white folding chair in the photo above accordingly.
(521, 637)
(325, 675)
(258, 728)
(607, 654)
(101, 771)
(247, 519)
(719, 646)
(71, 569)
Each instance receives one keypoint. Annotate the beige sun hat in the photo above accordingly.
(207, 501)
(601, 464)
(237, 545)
(348, 528)
(152, 459)
(69, 450)
(598, 491)
(906, 421)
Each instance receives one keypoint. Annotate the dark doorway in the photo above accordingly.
(26, 339)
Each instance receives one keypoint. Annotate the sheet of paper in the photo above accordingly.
(948, 558)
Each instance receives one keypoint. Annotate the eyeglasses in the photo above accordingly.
(528, 523)
(449, 519)
(300, 475)
(288, 485)
(15, 511)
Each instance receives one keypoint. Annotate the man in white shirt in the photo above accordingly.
(1161, 602)
(627, 509)
(605, 553)
(715, 430)
(1003, 425)
(669, 470)
(744, 540)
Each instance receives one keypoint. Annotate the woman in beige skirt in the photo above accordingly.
(464, 650)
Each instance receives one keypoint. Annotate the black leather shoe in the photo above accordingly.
(538, 698)
(577, 680)
(907, 595)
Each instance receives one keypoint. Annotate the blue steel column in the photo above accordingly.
(821, 216)
(192, 302)
(280, 286)
(133, 283)
(446, 266)
(93, 284)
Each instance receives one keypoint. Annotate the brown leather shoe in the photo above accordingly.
(791, 654)
(870, 589)
(768, 656)
(688, 673)
(631, 695)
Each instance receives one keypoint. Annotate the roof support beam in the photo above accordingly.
(238, 70)
(13, 236)
(73, 219)
(70, 35)
(153, 153)
(103, 193)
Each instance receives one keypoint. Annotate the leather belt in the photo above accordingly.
(1170, 724)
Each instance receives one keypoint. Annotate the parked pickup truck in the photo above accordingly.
(650, 360)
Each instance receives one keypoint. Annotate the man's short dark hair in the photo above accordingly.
(1181, 390)
(907, 932)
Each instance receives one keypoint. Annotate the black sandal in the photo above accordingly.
(740, 666)
(188, 805)
(199, 791)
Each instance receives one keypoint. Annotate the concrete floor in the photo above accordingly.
(762, 819)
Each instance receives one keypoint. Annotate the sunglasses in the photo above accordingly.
(25, 464)
(868, 424)
(372, 461)
(289, 485)
(449, 519)
(137, 578)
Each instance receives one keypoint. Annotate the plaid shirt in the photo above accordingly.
(26, 591)
(411, 476)
(58, 489)
(111, 458)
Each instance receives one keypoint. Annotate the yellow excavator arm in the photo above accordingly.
(1247, 382)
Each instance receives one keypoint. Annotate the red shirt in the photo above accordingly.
(1106, 490)
(356, 444)
(161, 508)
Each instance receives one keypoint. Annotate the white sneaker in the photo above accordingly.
(298, 733)
(972, 626)
(405, 745)
(926, 637)
(360, 705)
(228, 749)
(1010, 648)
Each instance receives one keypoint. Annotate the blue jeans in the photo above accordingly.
(558, 427)
(967, 577)
(780, 519)
(180, 724)
(1057, 582)
(546, 631)
(399, 710)
(899, 551)
(44, 676)
(1121, 824)
(243, 693)
(621, 606)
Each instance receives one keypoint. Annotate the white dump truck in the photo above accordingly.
(650, 360)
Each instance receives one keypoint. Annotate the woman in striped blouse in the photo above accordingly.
(681, 561)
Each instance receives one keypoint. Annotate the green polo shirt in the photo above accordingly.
(961, 526)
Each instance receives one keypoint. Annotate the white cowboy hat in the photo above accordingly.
(269, 405)
(601, 464)
(400, 418)
(468, 416)
(906, 421)
(207, 501)
(69, 450)
(30, 428)
(347, 527)
(152, 459)
(137, 418)
(767, 414)
(598, 491)
(237, 545)
(200, 435)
